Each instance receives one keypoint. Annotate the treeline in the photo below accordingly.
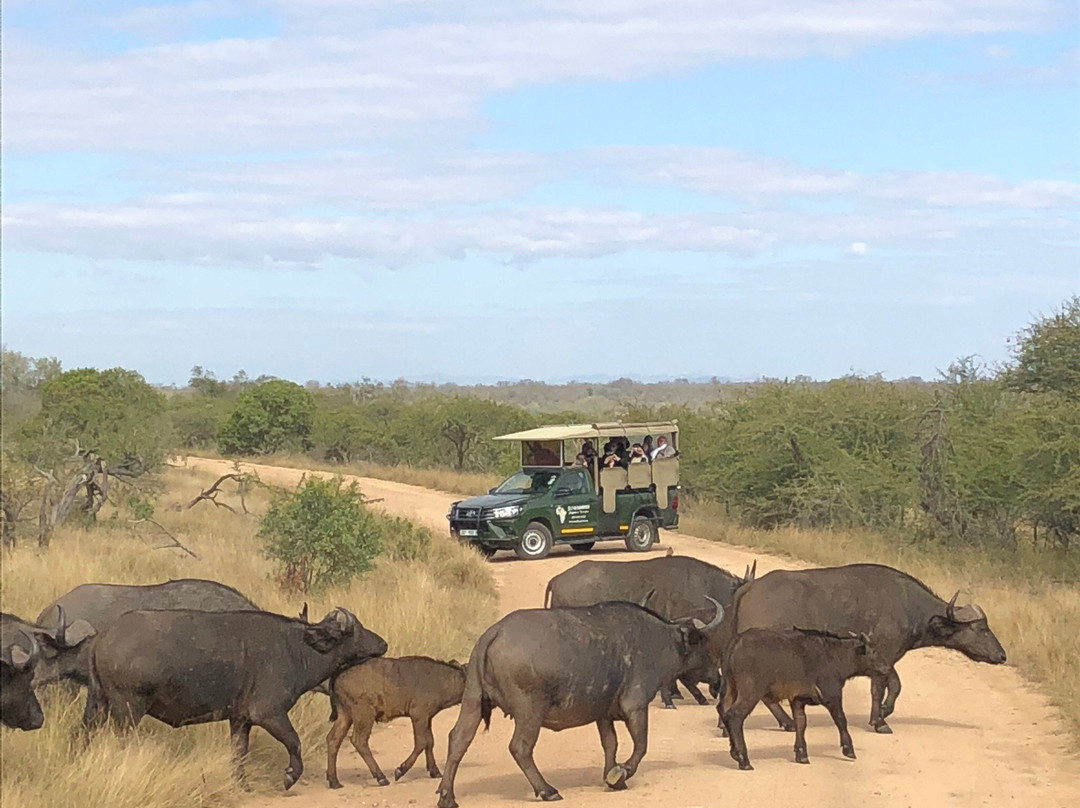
(981, 456)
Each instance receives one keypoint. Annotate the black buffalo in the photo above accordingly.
(800, 665)
(566, 667)
(23, 648)
(679, 583)
(894, 609)
(101, 604)
(189, 667)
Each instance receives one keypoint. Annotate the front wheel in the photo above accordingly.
(642, 534)
(535, 542)
(584, 547)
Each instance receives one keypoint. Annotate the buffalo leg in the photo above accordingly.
(526, 731)
(798, 711)
(423, 741)
(610, 742)
(892, 685)
(360, 735)
(460, 737)
(667, 693)
(877, 696)
(733, 712)
(334, 738)
(281, 730)
(240, 732)
(834, 703)
(692, 689)
(637, 721)
(786, 724)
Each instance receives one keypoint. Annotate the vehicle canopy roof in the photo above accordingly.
(584, 431)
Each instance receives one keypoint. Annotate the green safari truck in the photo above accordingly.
(572, 490)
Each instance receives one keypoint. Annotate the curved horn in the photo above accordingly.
(950, 610)
(20, 657)
(343, 619)
(717, 618)
(647, 598)
(304, 613)
(61, 630)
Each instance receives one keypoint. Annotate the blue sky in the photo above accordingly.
(422, 189)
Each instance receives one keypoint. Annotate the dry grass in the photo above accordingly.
(1036, 617)
(435, 606)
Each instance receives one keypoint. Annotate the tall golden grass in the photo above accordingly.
(437, 605)
(1036, 618)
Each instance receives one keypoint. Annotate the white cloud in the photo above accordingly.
(858, 248)
(344, 73)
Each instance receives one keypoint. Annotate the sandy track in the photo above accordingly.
(965, 734)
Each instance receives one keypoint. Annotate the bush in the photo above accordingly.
(322, 533)
(273, 417)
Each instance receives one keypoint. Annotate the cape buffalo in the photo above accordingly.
(894, 609)
(680, 584)
(189, 667)
(101, 604)
(384, 689)
(801, 665)
(23, 647)
(566, 667)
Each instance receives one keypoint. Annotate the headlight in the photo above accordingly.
(509, 512)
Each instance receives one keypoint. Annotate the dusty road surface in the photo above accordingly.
(965, 734)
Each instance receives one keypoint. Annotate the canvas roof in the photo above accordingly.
(583, 431)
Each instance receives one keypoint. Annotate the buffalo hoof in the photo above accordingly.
(398, 773)
(447, 801)
(335, 783)
(616, 778)
(434, 773)
(290, 779)
(883, 729)
(801, 757)
(849, 752)
(669, 706)
(745, 765)
(550, 796)
(787, 727)
(382, 781)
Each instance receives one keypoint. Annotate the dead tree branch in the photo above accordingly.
(212, 492)
(176, 541)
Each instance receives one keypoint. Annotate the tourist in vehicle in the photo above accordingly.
(662, 449)
(647, 447)
(611, 459)
(637, 454)
(588, 450)
(581, 460)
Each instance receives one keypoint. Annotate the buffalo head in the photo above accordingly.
(694, 646)
(342, 634)
(967, 631)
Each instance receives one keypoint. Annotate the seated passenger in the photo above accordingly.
(581, 460)
(662, 449)
(611, 459)
(637, 454)
(588, 450)
(647, 447)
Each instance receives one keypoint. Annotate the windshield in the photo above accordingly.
(527, 482)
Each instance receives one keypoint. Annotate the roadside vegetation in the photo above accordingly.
(423, 595)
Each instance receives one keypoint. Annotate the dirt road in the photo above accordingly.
(965, 734)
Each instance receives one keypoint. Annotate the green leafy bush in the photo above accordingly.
(273, 417)
(322, 534)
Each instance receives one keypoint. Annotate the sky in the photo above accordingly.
(545, 189)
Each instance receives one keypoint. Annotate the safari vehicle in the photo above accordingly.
(554, 500)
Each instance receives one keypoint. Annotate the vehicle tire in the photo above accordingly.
(584, 547)
(485, 550)
(642, 534)
(535, 542)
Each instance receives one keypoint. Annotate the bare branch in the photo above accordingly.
(212, 492)
(176, 541)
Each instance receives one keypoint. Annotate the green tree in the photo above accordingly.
(321, 533)
(1046, 354)
(274, 416)
(196, 421)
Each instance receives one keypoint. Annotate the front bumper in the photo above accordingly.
(480, 528)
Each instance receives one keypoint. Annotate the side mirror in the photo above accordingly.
(491, 490)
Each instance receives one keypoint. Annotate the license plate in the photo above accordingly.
(467, 531)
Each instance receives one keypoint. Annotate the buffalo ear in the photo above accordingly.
(19, 657)
(941, 627)
(78, 632)
(322, 638)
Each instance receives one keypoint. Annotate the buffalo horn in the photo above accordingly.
(647, 598)
(950, 612)
(61, 629)
(343, 619)
(304, 613)
(701, 626)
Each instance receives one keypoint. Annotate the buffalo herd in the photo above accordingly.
(611, 636)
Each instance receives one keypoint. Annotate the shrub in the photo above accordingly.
(322, 534)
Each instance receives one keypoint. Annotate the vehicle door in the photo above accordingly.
(577, 507)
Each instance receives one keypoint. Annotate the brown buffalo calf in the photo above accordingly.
(384, 689)
(802, 666)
